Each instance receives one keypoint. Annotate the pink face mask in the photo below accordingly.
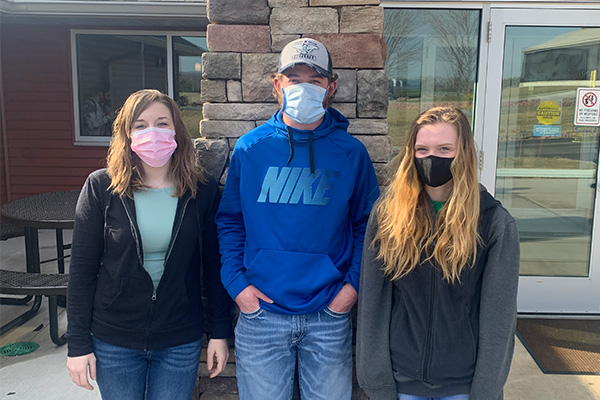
(154, 146)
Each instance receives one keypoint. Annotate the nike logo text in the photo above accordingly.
(294, 185)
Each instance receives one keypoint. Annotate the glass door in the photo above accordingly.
(541, 165)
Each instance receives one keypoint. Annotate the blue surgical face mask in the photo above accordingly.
(303, 102)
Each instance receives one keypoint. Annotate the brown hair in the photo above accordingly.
(407, 230)
(124, 166)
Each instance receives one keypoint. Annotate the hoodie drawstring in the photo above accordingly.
(311, 157)
(291, 138)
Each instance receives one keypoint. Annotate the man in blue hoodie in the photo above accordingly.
(291, 225)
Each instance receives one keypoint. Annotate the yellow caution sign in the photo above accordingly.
(548, 112)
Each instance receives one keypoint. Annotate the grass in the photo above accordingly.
(402, 113)
(517, 120)
(192, 112)
(191, 119)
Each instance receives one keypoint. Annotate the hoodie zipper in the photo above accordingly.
(150, 313)
(429, 341)
(429, 345)
(175, 234)
(138, 249)
(141, 261)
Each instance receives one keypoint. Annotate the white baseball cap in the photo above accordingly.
(306, 51)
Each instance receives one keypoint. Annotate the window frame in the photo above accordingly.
(80, 140)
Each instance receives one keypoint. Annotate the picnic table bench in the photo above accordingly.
(38, 285)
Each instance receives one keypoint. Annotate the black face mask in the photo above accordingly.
(434, 171)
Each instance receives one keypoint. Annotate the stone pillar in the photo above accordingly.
(244, 40)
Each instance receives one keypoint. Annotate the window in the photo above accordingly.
(109, 66)
(432, 61)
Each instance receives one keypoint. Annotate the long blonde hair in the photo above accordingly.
(125, 167)
(407, 229)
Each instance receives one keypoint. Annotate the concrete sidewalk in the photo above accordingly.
(43, 373)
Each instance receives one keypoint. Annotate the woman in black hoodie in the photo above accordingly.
(437, 301)
(144, 243)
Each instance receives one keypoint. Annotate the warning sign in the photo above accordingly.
(587, 108)
(548, 112)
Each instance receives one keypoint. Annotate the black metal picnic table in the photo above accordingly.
(54, 210)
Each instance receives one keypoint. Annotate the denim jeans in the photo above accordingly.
(268, 346)
(411, 397)
(165, 374)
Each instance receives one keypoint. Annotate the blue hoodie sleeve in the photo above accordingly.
(231, 230)
(366, 192)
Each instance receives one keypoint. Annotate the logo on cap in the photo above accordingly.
(304, 50)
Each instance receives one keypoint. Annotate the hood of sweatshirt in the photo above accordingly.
(332, 120)
(487, 201)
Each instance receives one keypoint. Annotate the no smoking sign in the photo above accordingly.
(587, 109)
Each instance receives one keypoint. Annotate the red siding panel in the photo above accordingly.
(14, 126)
(33, 105)
(37, 88)
(31, 68)
(39, 113)
(26, 97)
(89, 153)
(47, 172)
(48, 143)
(3, 194)
(42, 115)
(56, 162)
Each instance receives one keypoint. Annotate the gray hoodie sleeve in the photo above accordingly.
(373, 361)
(498, 312)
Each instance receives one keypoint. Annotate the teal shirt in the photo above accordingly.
(155, 212)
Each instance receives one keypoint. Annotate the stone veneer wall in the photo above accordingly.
(244, 40)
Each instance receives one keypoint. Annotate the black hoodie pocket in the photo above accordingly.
(454, 352)
(108, 298)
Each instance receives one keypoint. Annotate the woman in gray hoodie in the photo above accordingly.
(438, 289)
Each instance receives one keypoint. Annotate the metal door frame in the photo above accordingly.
(537, 294)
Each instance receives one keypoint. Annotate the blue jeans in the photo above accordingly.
(268, 346)
(411, 397)
(128, 374)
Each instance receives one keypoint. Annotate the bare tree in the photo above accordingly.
(458, 31)
(401, 26)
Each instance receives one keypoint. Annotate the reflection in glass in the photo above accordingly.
(109, 69)
(187, 62)
(432, 61)
(546, 170)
